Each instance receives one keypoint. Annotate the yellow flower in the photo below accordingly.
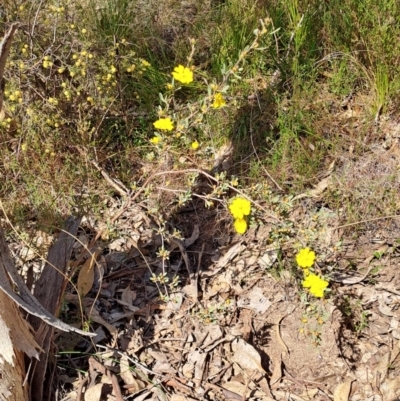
(219, 101)
(305, 258)
(315, 284)
(183, 74)
(239, 208)
(164, 124)
(53, 100)
(155, 140)
(47, 63)
(240, 225)
(195, 145)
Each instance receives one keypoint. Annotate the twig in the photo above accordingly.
(35, 20)
(203, 197)
(118, 185)
(195, 170)
(106, 372)
(393, 216)
(137, 364)
(80, 388)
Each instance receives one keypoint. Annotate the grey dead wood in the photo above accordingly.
(13, 326)
(17, 339)
(10, 280)
(49, 291)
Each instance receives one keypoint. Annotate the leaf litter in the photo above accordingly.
(233, 327)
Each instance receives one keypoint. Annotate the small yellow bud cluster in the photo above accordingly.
(131, 68)
(47, 62)
(144, 63)
(24, 49)
(108, 78)
(57, 10)
(15, 96)
(67, 94)
(53, 123)
(6, 123)
(141, 66)
(80, 64)
(53, 101)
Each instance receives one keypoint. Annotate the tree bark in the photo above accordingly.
(17, 337)
(54, 277)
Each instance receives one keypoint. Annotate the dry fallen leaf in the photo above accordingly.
(342, 391)
(133, 384)
(345, 279)
(94, 315)
(237, 388)
(246, 356)
(126, 295)
(254, 300)
(94, 393)
(390, 389)
(381, 368)
(268, 258)
(195, 364)
(320, 187)
(180, 397)
(195, 234)
(230, 254)
(277, 372)
(86, 275)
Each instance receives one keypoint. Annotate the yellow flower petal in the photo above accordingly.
(183, 74)
(305, 258)
(239, 208)
(316, 285)
(195, 145)
(155, 140)
(164, 124)
(240, 226)
(219, 101)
